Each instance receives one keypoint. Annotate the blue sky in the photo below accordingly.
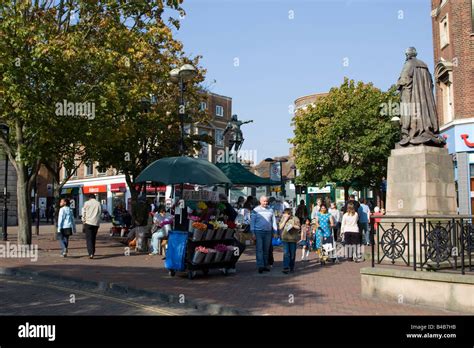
(282, 58)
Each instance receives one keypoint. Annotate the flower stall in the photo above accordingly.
(208, 242)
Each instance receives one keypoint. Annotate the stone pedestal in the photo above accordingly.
(420, 181)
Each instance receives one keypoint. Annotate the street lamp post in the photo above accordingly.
(5, 130)
(281, 160)
(294, 174)
(181, 75)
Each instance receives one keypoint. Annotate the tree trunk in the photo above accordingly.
(134, 193)
(23, 206)
(346, 193)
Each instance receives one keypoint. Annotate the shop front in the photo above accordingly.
(460, 143)
(100, 191)
(118, 191)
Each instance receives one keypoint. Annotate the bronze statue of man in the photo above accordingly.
(237, 138)
(419, 119)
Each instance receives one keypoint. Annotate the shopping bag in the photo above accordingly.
(276, 241)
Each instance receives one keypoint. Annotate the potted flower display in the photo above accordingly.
(231, 250)
(199, 229)
(221, 250)
(211, 253)
(199, 254)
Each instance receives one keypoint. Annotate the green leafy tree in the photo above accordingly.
(141, 123)
(70, 50)
(345, 138)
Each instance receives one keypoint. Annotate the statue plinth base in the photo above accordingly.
(420, 181)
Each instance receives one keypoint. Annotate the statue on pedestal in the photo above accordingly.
(237, 138)
(419, 119)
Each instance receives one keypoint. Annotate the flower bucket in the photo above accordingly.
(219, 256)
(219, 233)
(229, 233)
(209, 257)
(198, 257)
(197, 235)
(209, 234)
(228, 256)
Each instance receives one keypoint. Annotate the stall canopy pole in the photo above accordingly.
(182, 209)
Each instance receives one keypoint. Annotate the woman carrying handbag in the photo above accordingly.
(66, 225)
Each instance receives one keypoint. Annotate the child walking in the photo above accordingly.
(306, 238)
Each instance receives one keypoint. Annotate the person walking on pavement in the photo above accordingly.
(364, 220)
(290, 227)
(315, 211)
(263, 225)
(350, 233)
(337, 218)
(66, 225)
(91, 219)
(306, 239)
(352, 201)
(323, 234)
(302, 211)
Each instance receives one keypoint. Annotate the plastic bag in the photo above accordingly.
(276, 241)
(176, 252)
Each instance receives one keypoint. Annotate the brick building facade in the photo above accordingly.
(453, 44)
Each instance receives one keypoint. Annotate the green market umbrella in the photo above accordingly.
(237, 173)
(183, 170)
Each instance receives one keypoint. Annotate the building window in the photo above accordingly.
(66, 174)
(444, 32)
(100, 171)
(219, 137)
(89, 169)
(472, 15)
(204, 152)
(447, 102)
(219, 110)
(202, 106)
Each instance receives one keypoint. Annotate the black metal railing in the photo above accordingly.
(427, 242)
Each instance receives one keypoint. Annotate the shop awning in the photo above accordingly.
(237, 173)
(150, 188)
(95, 189)
(120, 187)
(70, 191)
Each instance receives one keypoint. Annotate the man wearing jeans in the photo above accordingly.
(364, 219)
(91, 220)
(263, 225)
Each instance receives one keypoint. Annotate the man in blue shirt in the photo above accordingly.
(364, 219)
(263, 225)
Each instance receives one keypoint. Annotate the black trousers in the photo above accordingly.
(91, 234)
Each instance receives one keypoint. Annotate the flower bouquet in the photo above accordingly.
(221, 250)
(191, 220)
(202, 206)
(199, 254)
(211, 253)
(194, 218)
(230, 253)
(199, 229)
(231, 224)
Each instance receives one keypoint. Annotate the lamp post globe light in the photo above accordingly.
(6, 130)
(181, 75)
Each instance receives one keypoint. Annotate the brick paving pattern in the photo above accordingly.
(311, 290)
